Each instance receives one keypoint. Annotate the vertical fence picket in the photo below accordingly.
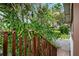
(44, 46)
(32, 47)
(39, 48)
(25, 45)
(54, 51)
(5, 44)
(29, 48)
(46, 52)
(35, 45)
(20, 46)
(13, 43)
(49, 49)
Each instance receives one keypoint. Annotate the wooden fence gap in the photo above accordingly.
(20, 45)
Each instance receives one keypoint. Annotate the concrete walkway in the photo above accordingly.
(65, 47)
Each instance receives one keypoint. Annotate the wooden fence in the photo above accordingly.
(35, 47)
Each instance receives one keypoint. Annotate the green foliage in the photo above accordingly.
(64, 29)
(64, 36)
(41, 19)
(57, 6)
(16, 16)
(57, 34)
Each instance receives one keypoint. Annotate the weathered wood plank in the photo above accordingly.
(54, 51)
(13, 43)
(29, 48)
(5, 44)
(25, 45)
(35, 45)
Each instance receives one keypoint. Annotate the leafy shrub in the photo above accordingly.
(64, 29)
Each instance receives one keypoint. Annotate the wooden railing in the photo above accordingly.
(36, 47)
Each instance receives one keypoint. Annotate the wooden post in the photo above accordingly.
(13, 43)
(5, 44)
(20, 46)
(75, 32)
